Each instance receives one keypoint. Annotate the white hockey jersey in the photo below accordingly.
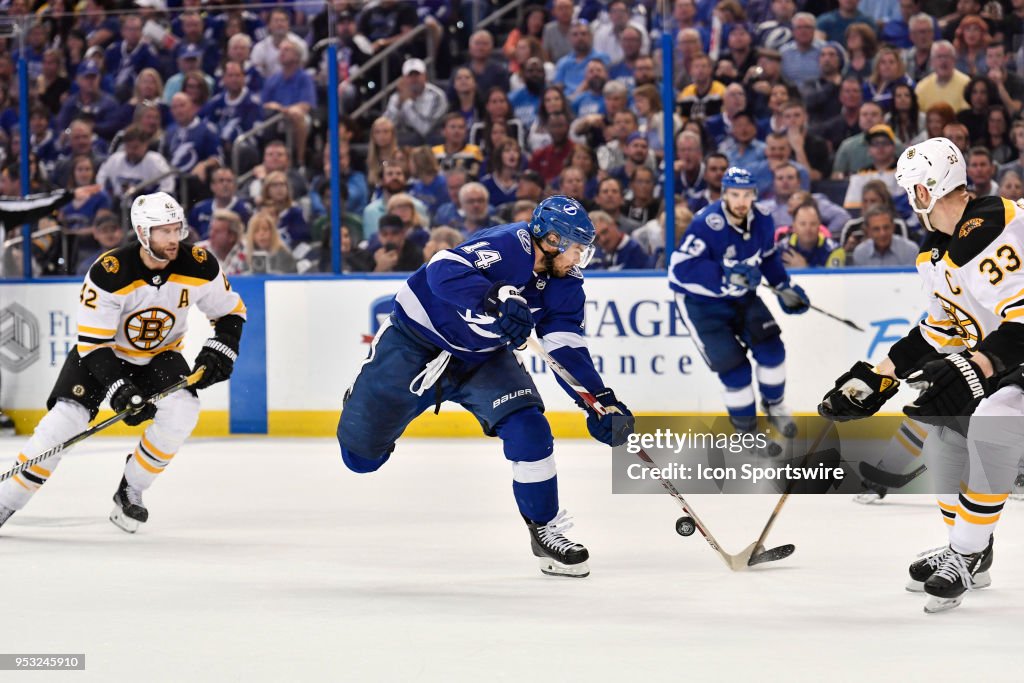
(138, 312)
(975, 277)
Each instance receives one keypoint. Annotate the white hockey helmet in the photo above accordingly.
(151, 210)
(935, 163)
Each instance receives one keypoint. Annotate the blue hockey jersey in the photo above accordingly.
(711, 242)
(443, 300)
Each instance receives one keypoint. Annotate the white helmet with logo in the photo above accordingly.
(151, 210)
(937, 164)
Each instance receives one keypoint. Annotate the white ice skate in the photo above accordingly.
(781, 418)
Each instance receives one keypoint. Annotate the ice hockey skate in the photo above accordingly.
(955, 575)
(1017, 492)
(5, 514)
(780, 417)
(558, 555)
(128, 510)
(872, 493)
(6, 424)
(930, 560)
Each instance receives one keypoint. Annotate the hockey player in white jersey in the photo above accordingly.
(132, 319)
(964, 357)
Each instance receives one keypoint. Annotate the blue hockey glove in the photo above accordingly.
(743, 275)
(793, 299)
(615, 426)
(514, 319)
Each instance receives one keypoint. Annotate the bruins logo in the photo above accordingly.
(110, 264)
(910, 153)
(78, 390)
(199, 254)
(969, 225)
(966, 327)
(147, 329)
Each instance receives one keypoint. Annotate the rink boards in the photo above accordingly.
(306, 338)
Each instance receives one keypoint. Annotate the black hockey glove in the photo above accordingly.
(219, 360)
(948, 388)
(615, 426)
(859, 393)
(514, 319)
(793, 299)
(1013, 379)
(124, 395)
(743, 275)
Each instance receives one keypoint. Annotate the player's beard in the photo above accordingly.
(737, 218)
(168, 253)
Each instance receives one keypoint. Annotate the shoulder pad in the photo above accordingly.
(761, 209)
(195, 261)
(982, 223)
(117, 268)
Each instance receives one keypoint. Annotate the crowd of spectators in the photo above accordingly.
(816, 99)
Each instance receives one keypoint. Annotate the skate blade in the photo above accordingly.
(556, 568)
(915, 586)
(121, 521)
(867, 498)
(936, 605)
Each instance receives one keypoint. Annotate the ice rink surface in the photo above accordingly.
(267, 560)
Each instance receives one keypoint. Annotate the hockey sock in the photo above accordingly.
(64, 421)
(528, 444)
(176, 417)
(771, 382)
(976, 517)
(738, 394)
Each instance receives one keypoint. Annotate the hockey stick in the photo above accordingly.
(177, 386)
(760, 554)
(736, 562)
(888, 479)
(844, 321)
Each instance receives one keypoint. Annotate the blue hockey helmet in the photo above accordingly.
(738, 178)
(567, 220)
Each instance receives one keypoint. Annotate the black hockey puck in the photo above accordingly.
(685, 526)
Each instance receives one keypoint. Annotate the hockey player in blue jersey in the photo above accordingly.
(451, 337)
(715, 273)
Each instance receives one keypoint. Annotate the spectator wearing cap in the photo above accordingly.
(224, 188)
(800, 55)
(90, 102)
(945, 83)
(396, 253)
(126, 58)
(702, 98)
(225, 242)
(557, 32)
(742, 146)
(740, 58)
(292, 92)
(189, 61)
(235, 109)
(417, 106)
(193, 32)
(821, 94)
(852, 155)
(108, 234)
(615, 250)
(265, 53)
(570, 70)
(807, 243)
(549, 160)
(881, 146)
(832, 25)
(922, 33)
(454, 152)
(883, 247)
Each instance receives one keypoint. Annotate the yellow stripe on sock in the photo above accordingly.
(41, 471)
(23, 484)
(145, 465)
(978, 519)
(983, 498)
(154, 450)
(911, 448)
